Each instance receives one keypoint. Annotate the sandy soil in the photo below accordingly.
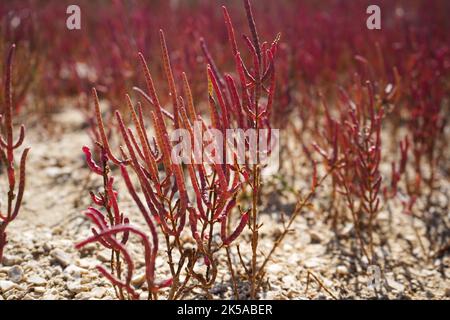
(313, 263)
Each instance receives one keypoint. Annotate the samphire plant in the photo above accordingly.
(210, 212)
(202, 197)
(7, 151)
(354, 138)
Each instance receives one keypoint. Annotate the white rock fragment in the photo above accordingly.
(39, 290)
(314, 262)
(82, 296)
(87, 263)
(76, 287)
(61, 257)
(294, 259)
(74, 271)
(9, 261)
(143, 295)
(36, 281)
(397, 286)
(347, 229)
(6, 285)
(98, 292)
(15, 274)
(342, 270)
(271, 295)
(288, 282)
(274, 268)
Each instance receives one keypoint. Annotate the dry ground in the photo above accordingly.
(42, 263)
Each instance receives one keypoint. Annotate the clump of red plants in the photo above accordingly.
(7, 152)
(207, 198)
(168, 208)
(196, 213)
(358, 135)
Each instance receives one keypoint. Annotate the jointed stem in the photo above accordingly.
(302, 203)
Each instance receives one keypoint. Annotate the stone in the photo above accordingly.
(315, 250)
(294, 259)
(427, 273)
(57, 230)
(271, 295)
(447, 292)
(47, 246)
(98, 292)
(6, 285)
(90, 247)
(61, 257)
(143, 295)
(74, 271)
(15, 274)
(9, 261)
(274, 268)
(364, 261)
(315, 237)
(87, 263)
(342, 270)
(348, 228)
(397, 286)
(39, 290)
(138, 280)
(76, 287)
(314, 262)
(36, 281)
(288, 282)
(82, 296)
(104, 256)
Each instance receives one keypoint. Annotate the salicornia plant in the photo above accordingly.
(7, 150)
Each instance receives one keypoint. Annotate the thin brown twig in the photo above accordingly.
(310, 274)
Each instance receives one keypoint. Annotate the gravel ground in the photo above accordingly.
(314, 261)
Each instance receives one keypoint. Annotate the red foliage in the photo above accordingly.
(7, 147)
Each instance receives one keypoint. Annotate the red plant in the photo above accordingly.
(427, 125)
(108, 201)
(7, 147)
(204, 198)
(355, 141)
(365, 182)
(114, 223)
(254, 83)
(216, 185)
(167, 201)
(19, 25)
(397, 171)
